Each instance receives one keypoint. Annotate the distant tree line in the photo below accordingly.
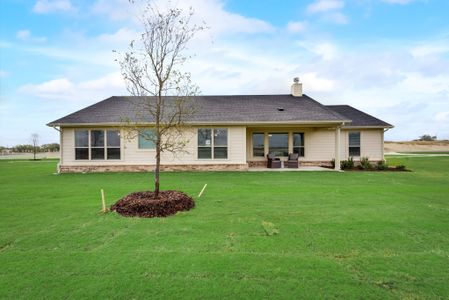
(427, 137)
(28, 148)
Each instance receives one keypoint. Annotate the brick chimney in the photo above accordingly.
(296, 88)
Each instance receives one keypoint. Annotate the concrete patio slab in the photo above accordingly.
(300, 169)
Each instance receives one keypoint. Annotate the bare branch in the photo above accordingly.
(162, 93)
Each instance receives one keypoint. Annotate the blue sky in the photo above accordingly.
(389, 58)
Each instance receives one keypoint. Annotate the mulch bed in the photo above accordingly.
(389, 169)
(143, 204)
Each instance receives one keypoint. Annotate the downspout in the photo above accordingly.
(383, 144)
(58, 168)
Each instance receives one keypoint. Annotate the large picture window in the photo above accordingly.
(212, 143)
(298, 143)
(354, 143)
(258, 144)
(97, 144)
(146, 138)
(278, 143)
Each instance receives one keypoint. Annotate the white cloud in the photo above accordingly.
(122, 36)
(23, 34)
(63, 89)
(337, 18)
(3, 74)
(424, 50)
(325, 50)
(442, 116)
(50, 6)
(212, 12)
(329, 10)
(398, 1)
(296, 27)
(319, 6)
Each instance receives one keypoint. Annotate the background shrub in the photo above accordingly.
(382, 165)
(364, 163)
(347, 164)
(400, 167)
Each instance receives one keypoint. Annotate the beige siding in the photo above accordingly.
(372, 144)
(132, 155)
(68, 145)
(319, 146)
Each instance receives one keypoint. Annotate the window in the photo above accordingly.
(298, 143)
(258, 144)
(81, 144)
(354, 143)
(204, 143)
(113, 144)
(97, 144)
(212, 144)
(146, 138)
(220, 143)
(278, 144)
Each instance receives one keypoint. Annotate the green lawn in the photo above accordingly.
(351, 235)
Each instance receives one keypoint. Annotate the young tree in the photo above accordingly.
(35, 143)
(152, 70)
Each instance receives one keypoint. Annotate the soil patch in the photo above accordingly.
(143, 204)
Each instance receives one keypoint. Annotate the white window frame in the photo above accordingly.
(353, 146)
(89, 147)
(212, 143)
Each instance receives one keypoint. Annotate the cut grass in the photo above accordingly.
(348, 235)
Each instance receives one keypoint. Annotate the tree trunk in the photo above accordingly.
(157, 170)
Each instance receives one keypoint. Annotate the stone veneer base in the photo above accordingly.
(146, 168)
(263, 164)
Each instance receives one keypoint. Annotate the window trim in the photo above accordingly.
(212, 144)
(138, 141)
(86, 147)
(303, 147)
(105, 147)
(355, 146)
(252, 144)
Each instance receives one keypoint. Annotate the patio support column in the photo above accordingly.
(337, 148)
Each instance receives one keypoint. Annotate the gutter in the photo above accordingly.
(206, 123)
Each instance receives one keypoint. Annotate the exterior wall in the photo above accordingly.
(372, 144)
(320, 144)
(319, 150)
(132, 155)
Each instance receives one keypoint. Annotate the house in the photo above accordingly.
(226, 133)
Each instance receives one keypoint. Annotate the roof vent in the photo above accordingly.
(280, 109)
(296, 88)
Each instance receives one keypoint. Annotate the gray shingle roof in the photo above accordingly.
(241, 109)
(359, 118)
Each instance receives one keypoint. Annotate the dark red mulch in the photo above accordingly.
(389, 169)
(143, 204)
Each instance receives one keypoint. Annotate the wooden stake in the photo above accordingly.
(204, 187)
(103, 201)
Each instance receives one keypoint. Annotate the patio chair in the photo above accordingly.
(273, 161)
(292, 161)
